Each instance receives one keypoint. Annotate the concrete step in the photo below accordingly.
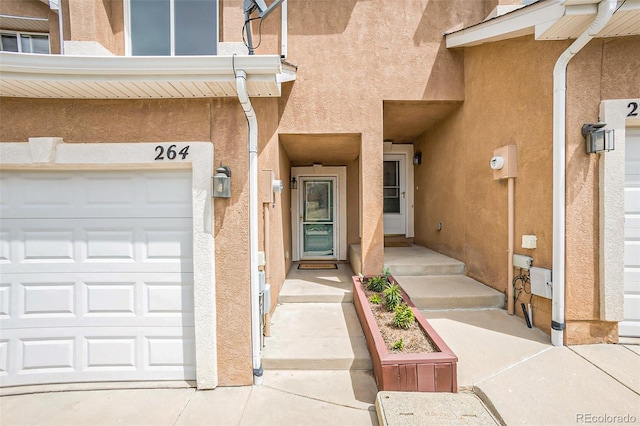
(318, 286)
(450, 292)
(315, 336)
(411, 261)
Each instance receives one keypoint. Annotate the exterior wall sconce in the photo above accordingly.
(598, 140)
(222, 182)
(294, 183)
(417, 158)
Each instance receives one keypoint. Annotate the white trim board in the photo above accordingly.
(611, 185)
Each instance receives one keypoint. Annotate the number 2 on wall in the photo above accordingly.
(171, 153)
(633, 109)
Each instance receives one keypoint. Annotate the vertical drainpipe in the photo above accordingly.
(243, 97)
(606, 8)
(57, 5)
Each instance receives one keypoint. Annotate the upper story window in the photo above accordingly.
(173, 27)
(24, 42)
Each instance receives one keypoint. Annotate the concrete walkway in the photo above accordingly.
(507, 374)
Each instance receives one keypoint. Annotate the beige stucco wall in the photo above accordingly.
(223, 123)
(351, 57)
(456, 186)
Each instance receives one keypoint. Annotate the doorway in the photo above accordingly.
(395, 194)
(318, 219)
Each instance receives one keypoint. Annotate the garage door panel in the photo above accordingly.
(631, 324)
(91, 245)
(97, 277)
(76, 354)
(97, 194)
(66, 300)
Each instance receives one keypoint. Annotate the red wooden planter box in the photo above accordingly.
(422, 372)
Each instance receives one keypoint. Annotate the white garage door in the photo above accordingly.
(631, 325)
(96, 276)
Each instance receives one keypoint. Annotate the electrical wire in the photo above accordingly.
(244, 32)
(524, 281)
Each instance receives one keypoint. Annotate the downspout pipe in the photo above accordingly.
(606, 8)
(252, 121)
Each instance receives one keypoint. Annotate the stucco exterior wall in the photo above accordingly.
(456, 185)
(219, 120)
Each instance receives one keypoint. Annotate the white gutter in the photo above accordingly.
(284, 29)
(243, 97)
(606, 8)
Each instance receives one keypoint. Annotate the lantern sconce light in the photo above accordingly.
(293, 184)
(417, 158)
(598, 140)
(222, 182)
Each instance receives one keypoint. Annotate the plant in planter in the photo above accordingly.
(375, 299)
(399, 364)
(392, 296)
(377, 283)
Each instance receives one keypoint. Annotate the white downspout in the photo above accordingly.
(243, 97)
(606, 8)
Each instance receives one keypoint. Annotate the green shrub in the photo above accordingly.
(392, 297)
(386, 272)
(399, 345)
(404, 316)
(375, 299)
(376, 283)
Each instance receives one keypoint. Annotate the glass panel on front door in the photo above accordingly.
(391, 182)
(317, 218)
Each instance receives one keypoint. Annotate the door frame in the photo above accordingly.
(340, 206)
(405, 150)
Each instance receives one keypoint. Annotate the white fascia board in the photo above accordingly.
(137, 66)
(519, 22)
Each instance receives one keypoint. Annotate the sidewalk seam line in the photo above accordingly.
(601, 369)
(512, 366)
(244, 409)
(193, 393)
(320, 400)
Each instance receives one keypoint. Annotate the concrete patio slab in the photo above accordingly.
(557, 387)
(486, 341)
(450, 292)
(309, 336)
(222, 406)
(425, 409)
(110, 407)
(615, 360)
(319, 286)
(354, 389)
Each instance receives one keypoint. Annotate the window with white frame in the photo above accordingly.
(24, 42)
(173, 27)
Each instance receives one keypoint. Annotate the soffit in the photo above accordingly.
(326, 149)
(550, 20)
(24, 23)
(127, 77)
(405, 121)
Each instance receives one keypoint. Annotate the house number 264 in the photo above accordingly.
(170, 153)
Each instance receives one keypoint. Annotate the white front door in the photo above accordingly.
(97, 276)
(630, 327)
(395, 194)
(318, 217)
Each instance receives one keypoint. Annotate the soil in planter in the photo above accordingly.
(415, 340)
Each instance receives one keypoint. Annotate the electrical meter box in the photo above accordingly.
(266, 186)
(508, 166)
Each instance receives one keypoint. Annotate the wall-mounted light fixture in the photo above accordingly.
(222, 182)
(294, 183)
(598, 140)
(417, 158)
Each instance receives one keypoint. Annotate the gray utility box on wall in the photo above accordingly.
(541, 284)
